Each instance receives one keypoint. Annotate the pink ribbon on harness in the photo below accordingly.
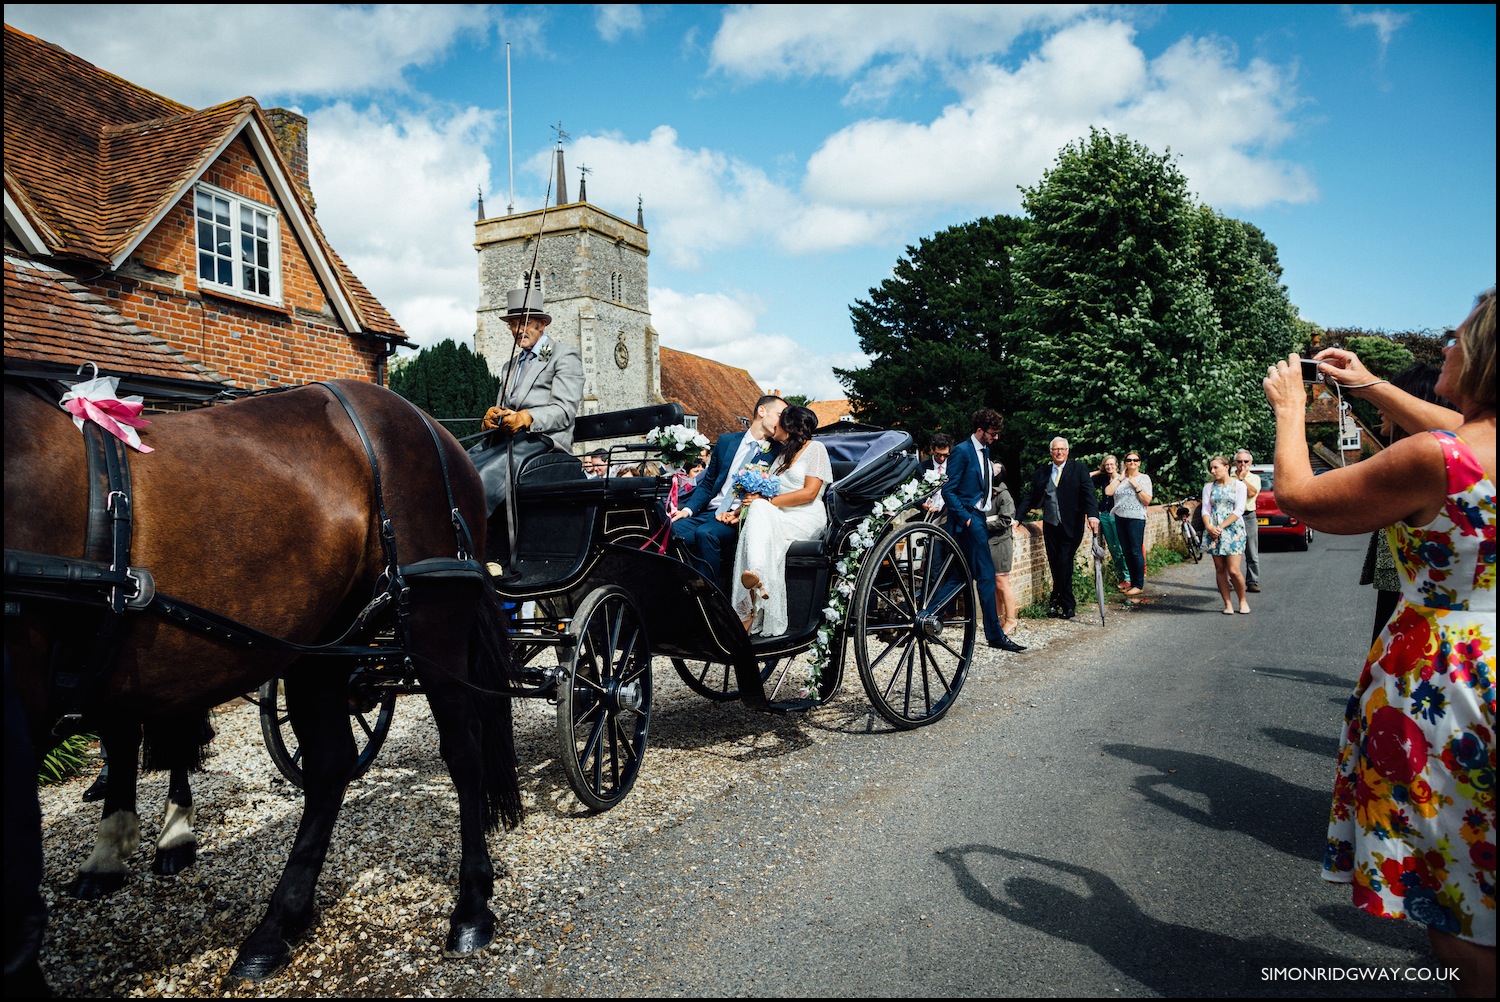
(658, 540)
(98, 400)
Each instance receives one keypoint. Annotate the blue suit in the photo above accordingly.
(965, 489)
(701, 533)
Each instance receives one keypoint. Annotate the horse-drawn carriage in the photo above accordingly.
(330, 537)
(607, 600)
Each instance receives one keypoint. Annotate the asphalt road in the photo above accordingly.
(1138, 811)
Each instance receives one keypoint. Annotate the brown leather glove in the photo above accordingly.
(515, 421)
(491, 419)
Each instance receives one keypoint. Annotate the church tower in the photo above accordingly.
(591, 267)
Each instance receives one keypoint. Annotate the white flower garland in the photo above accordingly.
(846, 571)
(678, 444)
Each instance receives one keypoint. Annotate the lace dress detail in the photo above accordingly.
(769, 532)
(1413, 819)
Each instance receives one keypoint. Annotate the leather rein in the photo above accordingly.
(104, 579)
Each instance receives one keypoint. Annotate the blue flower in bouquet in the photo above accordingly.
(756, 481)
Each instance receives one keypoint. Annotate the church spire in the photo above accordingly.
(562, 174)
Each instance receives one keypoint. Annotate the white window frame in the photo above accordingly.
(240, 210)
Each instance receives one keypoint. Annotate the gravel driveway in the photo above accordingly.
(392, 870)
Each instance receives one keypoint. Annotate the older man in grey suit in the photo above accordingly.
(542, 383)
(540, 390)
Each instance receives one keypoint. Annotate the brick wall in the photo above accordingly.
(255, 345)
(1030, 577)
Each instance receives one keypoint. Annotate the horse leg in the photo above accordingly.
(176, 743)
(471, 927)
(318, 704)
(476, 742)
(177, 846)
(104, 872)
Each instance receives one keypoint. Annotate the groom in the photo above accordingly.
(696, 522)
(967, 498)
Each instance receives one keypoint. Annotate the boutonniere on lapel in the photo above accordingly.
(544, 351)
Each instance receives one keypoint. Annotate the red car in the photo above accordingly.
(1273, 522)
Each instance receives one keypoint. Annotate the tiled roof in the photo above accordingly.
(829, 411)
(718, 394)
(51, 318)
(94, 161)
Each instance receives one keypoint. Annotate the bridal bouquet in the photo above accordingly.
(678, 444)
(756, 480)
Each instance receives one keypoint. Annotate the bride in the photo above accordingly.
(772, 525)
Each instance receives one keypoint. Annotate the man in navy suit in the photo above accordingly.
(698, 521)
(967, 498)
(1064, 492)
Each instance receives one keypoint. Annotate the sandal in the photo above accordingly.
(753, 584)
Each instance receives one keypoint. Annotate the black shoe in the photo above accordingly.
(1067, 614)
(1055, 614)
(1006, 644)
(95, 792)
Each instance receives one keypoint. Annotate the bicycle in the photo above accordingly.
(1183, 515)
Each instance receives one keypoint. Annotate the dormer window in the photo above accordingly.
(238, 245)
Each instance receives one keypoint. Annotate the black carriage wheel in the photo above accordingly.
(913, 624)
(369, 719)
(604, 699)
(716, 680)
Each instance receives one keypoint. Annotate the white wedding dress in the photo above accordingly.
(768, 532)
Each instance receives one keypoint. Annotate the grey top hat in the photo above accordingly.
(522, 306)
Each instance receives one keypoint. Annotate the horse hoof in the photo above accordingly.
(258, 967)
(90, 886)
(467, 937)
(170, 862)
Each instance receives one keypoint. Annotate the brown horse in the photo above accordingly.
(266, 511)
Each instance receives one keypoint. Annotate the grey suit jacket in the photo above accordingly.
(549, 388)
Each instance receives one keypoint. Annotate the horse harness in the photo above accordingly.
(104, 579)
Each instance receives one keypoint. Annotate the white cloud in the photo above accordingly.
(725, 328)
(263, 50)
(840, 40)
(613, 20)
(1009, 125)
(1385, 22)
(395, 195)
(700, 200)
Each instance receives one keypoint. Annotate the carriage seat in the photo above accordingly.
(866, 467)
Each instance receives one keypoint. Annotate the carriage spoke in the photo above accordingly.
(610, 675)
(916, 573)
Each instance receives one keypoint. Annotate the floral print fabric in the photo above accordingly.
(1222, 500)
(1413, 820)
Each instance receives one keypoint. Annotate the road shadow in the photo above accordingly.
(1237, 798)
(1170, 959)
(1325, 745)
(1310, 677)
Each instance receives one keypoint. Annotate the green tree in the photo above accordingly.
(938, 332)
(1123, 345)
(1259, 323)
(447, 380)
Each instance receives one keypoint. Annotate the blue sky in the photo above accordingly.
(787, 155)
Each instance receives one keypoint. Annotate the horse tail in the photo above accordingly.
(179, 741)
(489, 663)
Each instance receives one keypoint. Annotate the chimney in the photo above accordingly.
(291, 138)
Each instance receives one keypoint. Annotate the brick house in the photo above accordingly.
(717, 398)
(186, 236)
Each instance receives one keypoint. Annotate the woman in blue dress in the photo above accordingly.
(1224, 531)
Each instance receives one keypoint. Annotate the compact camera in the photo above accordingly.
(1310, 371)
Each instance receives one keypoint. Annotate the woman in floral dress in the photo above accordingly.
(1224, 531)
(1413, 820)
